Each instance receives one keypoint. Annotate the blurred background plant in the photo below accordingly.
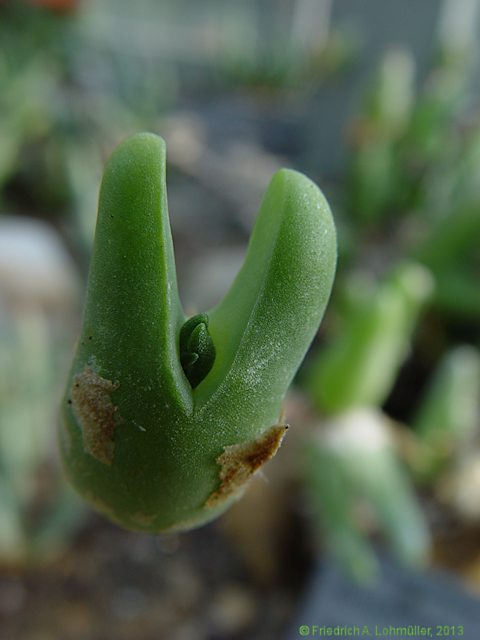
(386, 445)
(351, 458)
(38, 306)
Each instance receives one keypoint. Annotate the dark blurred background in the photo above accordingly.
(378, 102)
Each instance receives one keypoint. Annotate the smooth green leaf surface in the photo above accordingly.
(359, 368)
(156, 445)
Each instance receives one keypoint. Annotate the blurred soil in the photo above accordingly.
(122, 585)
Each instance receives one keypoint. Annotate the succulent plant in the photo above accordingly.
(358, 484)
(359, 367)
(355, 477)
(166, 418)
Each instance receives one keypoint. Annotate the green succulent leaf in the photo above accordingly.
(358, 369)
(197, 351)
(165, 419)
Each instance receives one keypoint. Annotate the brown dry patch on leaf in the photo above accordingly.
(95, 413)
(240, 461)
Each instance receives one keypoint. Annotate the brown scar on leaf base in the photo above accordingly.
(240, 461)
(95, 413)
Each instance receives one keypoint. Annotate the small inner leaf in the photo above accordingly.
(197, 351)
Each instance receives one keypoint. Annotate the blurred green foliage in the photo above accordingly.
(411, 207)
(65, 102)
(359, 367)
(414, 173)
(38, 510)
(351, 460)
